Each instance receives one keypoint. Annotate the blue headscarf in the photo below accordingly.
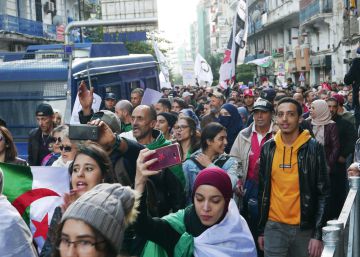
(232, 123)
(189, 113)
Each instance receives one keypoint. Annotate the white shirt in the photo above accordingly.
(259, 136)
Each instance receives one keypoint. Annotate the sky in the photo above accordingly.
(175, 17)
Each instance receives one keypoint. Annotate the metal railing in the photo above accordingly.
(27, 27)
(333, 233)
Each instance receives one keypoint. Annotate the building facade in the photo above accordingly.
(311, 41)
(127, 10)
(25, 22)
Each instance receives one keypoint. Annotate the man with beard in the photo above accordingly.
(217, 99)
(39, 138)
(123, 110)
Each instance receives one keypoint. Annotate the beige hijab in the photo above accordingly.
(322, 117)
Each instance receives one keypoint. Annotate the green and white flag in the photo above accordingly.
(262, 62)
(35, 192)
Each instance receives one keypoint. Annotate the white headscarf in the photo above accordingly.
(322, 118)
(230, 238)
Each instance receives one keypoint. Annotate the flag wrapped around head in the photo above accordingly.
(236, 47)
(35, 192)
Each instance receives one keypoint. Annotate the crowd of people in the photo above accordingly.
(262, 169)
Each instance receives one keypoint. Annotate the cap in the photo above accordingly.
(217, 94)
(268, 94)
(108, 208)
(44, 109)
(110, 96)
(109, 118)
(263, 104)
(248, 92)
(186, 93)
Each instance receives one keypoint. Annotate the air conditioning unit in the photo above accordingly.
(49, 7)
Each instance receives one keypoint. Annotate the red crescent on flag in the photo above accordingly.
(24, 200)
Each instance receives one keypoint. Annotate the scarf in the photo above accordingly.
(322, 118)
(229, 238)
(232, 123)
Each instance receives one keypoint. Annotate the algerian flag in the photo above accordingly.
(262, 62)
(35, 192)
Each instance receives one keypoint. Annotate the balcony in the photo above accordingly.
(27, 27)
(283, 12)
(314, 9)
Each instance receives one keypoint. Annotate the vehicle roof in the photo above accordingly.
(56, 69)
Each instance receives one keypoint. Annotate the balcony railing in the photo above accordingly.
(28, 27)
(315, 7)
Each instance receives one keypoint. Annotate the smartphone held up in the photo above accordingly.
(167, 156)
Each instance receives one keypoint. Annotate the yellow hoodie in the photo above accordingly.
(285, 191)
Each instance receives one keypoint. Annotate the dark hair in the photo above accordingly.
(152, 113)
(181, 102)
(293, 101)
(333, 99)
(96, 152)
(105, 247)
(209, 132)
(139, 91)
(279, 97)
(10, 148)
(165, 102)
(195, 138)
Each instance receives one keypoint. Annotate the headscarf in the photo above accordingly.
(232, 123)
(189, 113)
(218, 178)
(322, 118)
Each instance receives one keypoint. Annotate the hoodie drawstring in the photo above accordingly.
(283, 166)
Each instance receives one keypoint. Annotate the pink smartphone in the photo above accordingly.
(167, 156)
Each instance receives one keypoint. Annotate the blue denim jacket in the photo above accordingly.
(191, 170)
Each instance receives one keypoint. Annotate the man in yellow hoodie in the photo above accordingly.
(293, 188)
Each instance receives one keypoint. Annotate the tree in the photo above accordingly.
(215, 63)
(245, 73)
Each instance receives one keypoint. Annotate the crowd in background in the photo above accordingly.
(236, 144)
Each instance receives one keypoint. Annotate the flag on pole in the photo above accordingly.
(202, 70)
(236, 47)
(161, 60)
(35, 192)
(262, 62)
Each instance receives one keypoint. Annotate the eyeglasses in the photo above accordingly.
(82, 246)
(181, 127)
(65, 148)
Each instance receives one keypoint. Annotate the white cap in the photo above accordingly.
(186, 93)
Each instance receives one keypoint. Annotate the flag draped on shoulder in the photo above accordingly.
(35, 192)
(236, 47)
(202, 70)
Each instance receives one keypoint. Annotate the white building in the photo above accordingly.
(129, 9)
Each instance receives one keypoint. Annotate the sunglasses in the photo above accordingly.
(56, 140)
(65, 148)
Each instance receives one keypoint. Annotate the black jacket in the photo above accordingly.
(35, 138)
(353, 77)
(314, 185)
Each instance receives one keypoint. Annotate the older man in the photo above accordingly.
(123, 110)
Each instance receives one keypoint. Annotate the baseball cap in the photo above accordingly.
(268, 94)
(109, 118)
(44, 109)
(263, 104)
(186, 93)
(248, 92)
(217, 94)
(110, 96)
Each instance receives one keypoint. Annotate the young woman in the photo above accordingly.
(8, 152)
(211, 226)
(91, 166)
(191, 114)
(186, 135)
(94, 224)
(165, 122)
(212, 153)
(230, 118)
